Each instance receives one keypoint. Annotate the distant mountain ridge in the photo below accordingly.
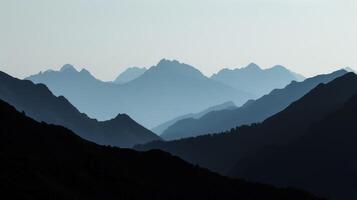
(41, 161)
(165, 91)
(255, 80)
(130, 74)
(224, 106)
(39, 103)
(252, 112)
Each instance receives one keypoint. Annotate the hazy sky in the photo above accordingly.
(106, 36)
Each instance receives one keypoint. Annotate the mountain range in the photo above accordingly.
(40, 104)
(251, 112)
(255, 80)
(163, 92)
(41, 161)
(310, 144)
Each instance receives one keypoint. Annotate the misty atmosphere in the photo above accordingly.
(168, 99)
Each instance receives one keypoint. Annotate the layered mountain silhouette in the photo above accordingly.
(252, 112)
(322, 160)
(130, 74)
(163, 92)
(286, 133)
(40, 104)
(224, 106)
(41, 161)
(256, 80)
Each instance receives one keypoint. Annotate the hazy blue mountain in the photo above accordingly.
(41, 161)
(40, 104)
(251, 112)
(163, 92)
(224, 106)
(323, 160)
(79, 87)
(255, 80)
(130, 74)
(220, 152)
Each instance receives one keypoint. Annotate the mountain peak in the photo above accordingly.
(68, 68)
(84, 71)
(122, 116)
(173, 67)
(279, 67)
(166, 62)
(253, 66)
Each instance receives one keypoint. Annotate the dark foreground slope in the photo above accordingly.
(41, 161)
(40, 104)
(322, 161)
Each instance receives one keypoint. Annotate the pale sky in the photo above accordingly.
(107, 36)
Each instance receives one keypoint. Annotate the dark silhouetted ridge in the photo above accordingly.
(322, 160)
(41, 161)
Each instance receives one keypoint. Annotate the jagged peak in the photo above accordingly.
(166, 62)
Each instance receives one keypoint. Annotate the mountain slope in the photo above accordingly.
(79, 87)
(322, 160)
(130, 74)
(39, 103)
(251, 112)
(162, 127)
(40, 161)
(221, 152)
(163, 92)
(256, 80)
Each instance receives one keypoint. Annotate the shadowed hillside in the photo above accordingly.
(322, 160)
(41, 161)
